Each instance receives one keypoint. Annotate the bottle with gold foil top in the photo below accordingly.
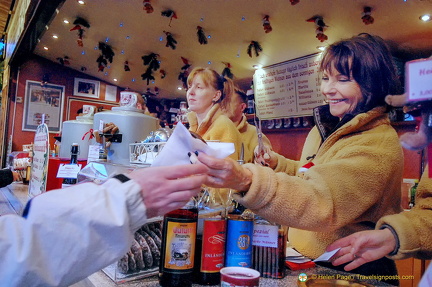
(178, 246)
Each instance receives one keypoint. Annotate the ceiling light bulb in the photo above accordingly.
(115, 80)
(321, 48)
(179, 88)
(65, 21)
(55, 36)
(256, 67)
(45, 48)
(425, 17)
(81, 2)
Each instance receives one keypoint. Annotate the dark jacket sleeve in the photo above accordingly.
(6, 177)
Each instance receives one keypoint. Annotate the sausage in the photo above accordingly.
(147, 255)
(123, 264)
(131, 261)
(153, 235)
(153, 247)
(156, 228)
(138, 255)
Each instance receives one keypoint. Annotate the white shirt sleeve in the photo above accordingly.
(70, 233)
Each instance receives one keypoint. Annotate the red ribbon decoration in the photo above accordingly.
(89, 132)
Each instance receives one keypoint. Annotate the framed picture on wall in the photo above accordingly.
(86, 88)
(42, 100)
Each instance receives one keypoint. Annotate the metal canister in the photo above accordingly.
(238, 251)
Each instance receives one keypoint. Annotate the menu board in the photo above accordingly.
(288, 89)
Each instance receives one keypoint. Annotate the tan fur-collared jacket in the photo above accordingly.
(355, 180)
(414, 227)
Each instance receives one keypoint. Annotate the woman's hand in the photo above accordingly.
(266, 157)
(363, 247)
(226, 173)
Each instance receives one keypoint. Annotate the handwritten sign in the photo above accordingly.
(288, 89)
(419, 80)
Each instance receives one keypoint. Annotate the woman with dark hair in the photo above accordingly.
(206, 92)
(350, 169)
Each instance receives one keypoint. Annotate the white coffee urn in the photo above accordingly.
(78, 131)
(134, 126)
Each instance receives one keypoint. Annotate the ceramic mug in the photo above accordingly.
(239, 277)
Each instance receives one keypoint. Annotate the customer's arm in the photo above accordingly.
(71, 233)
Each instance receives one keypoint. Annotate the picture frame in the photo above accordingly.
(42, 99)
(86, 88)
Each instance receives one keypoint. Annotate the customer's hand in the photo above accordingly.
(226, 173)
(363, 247)
(169, 187)
(266, 157)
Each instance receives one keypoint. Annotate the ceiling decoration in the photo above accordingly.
(213, 33)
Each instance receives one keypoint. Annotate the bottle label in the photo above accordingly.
(265, 235)
(239, 242)
(213, 246)
(180, 245)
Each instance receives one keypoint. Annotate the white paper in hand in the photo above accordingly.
(181, 142)
(327, 255)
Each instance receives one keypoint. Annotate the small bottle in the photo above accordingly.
(413, 191)
(178, 246)
(74, 160)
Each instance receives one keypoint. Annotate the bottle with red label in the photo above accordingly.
(210, 251)
(178, 246)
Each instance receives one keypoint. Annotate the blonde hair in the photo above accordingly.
(212, 78)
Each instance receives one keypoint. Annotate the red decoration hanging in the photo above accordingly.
(80, 24)
(293, 2)
(366, 16)
(171, 42)
(266, 24)
(148, 6)
(254, 46)
(162, 73)
(320, 25)
(202, 39)
(170, 14)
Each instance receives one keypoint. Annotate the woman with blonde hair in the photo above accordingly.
(206, 92)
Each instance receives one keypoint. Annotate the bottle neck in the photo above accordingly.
(74, 159)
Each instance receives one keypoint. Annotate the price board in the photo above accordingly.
(288, 89)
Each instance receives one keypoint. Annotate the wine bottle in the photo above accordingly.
(74, 160)
(210, 250)
(178, 246)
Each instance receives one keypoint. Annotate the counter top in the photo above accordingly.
(99, 279)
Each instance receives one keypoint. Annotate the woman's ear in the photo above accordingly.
(217, 96)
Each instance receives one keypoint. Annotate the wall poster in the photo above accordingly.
(43, 99)
(288, 89)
